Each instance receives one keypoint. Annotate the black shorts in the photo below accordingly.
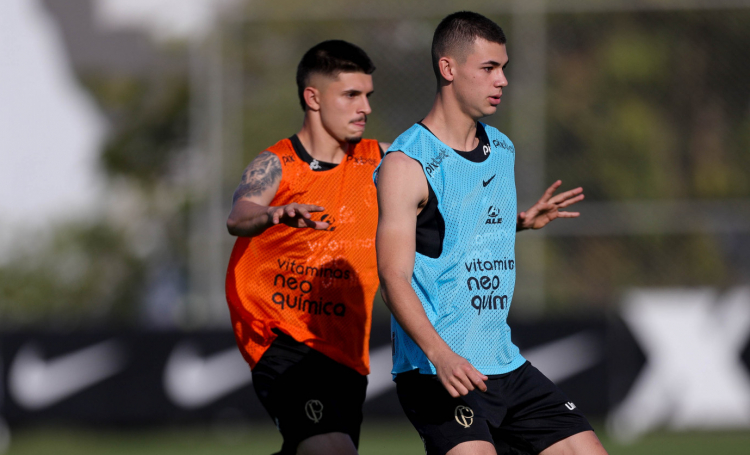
(521, 412)
(307, 394)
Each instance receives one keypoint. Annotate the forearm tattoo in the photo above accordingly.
(260, 174)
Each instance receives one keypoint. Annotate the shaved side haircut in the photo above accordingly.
(455, 35)
(330, 58)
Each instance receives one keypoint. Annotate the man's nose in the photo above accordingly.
(502, 81)
(366, 109)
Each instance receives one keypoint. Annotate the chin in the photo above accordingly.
(489, 111)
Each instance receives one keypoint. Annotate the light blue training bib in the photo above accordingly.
(466, 291)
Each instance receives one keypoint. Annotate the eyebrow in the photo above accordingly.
(354, 91)
(494, 63)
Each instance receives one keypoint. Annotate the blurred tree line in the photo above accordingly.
(648, 106)
(640, 106)
(106, 270)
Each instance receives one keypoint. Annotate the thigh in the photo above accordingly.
(581, 443)
(443, 422)
(539, 413)
(315, 396)
(327, 444)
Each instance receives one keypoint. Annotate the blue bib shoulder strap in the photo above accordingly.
(421, 145)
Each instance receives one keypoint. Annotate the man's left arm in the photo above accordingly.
(547, 208)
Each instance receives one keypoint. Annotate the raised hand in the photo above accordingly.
(548, 207)
(296, 215)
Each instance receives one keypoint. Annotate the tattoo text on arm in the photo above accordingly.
(259, 175)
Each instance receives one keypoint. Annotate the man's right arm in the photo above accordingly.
(251, 213)
(402, 187)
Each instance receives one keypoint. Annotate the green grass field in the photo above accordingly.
(378, 438)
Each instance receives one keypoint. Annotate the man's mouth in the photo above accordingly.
(495, 100)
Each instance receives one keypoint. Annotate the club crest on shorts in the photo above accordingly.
(570, 405)
(464, 416)
(314, 410)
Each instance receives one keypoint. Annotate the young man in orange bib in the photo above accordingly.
(301, 299)
(302, 276)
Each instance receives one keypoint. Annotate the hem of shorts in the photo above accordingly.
(335, 429)
(462, 440)
(559, 436)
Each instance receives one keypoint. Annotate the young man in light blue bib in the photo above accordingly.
(446, 259)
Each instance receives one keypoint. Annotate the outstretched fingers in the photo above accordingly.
(298, 215)
(319, 225)
(568, 197)
(305, 209)
(276, 215)
(550, 191)
(305, 212)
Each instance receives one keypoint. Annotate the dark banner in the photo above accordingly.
(145, 378)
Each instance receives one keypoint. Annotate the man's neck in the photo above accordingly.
(451, 125)
(321, 145)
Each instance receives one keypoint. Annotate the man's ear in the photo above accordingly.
(447, 67)
(311, 95)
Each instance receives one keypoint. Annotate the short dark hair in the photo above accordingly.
(459, 31)
(331, 58)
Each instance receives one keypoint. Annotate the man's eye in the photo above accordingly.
(487, 68)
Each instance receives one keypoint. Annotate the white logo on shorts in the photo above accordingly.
(464, 416)
(314, 410)
(570, 405)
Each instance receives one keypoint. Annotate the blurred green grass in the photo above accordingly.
(380, 437)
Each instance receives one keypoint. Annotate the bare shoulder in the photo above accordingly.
(261, 175)
(402, 178)
(397, 164)
(400, 159)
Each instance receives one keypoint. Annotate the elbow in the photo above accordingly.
(385, 297)
(390, 279)
(232, 226)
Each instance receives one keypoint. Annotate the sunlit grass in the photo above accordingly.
(383, 437)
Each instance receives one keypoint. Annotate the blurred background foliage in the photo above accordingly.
(85, 276)
(640, 106)
(648, 106)
(125, 267)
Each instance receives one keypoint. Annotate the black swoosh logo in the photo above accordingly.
(485, 183)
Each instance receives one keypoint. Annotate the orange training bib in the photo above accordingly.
(316, 286)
